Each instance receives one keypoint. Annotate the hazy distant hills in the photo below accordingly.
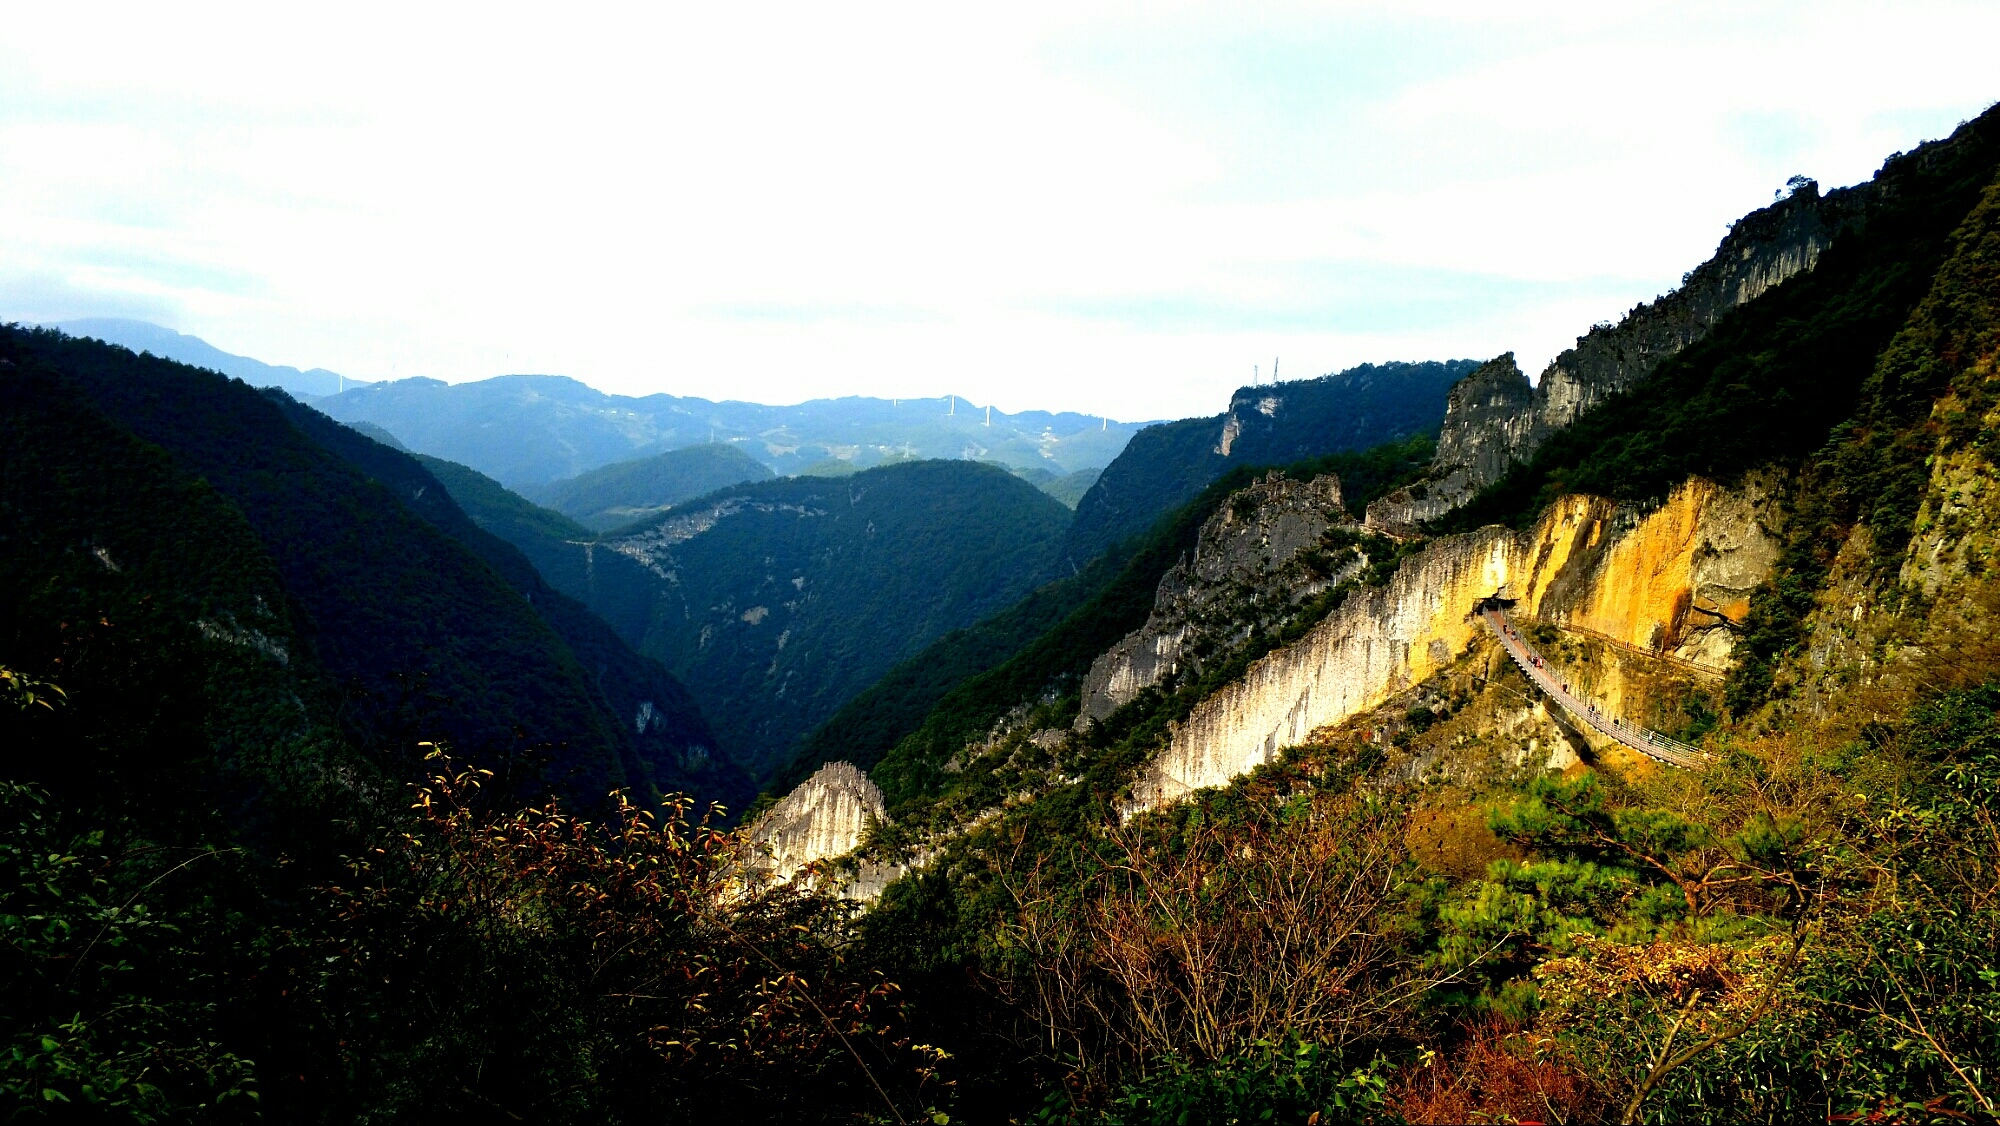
(625, 491)
(144, 336)
(526, 430)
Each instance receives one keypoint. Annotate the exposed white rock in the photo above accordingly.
(825, 818)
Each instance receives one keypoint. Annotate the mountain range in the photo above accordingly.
(531, 430)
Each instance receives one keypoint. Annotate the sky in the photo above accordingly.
(1109, 208)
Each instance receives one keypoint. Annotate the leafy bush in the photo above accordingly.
(1265, 1082)
(570, 971)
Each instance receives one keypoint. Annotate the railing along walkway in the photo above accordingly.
(1673, 752)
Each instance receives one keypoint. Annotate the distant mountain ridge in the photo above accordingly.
(144, 336)
(529, 430)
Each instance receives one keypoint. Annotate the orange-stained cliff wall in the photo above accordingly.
(1654, 581)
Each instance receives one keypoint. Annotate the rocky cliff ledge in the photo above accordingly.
(1494, 419)
(824, 818)
(1257, 558)
(1668, 581)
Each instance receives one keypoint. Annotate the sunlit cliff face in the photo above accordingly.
(1657, 581)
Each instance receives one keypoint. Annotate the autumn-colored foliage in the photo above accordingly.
(537, 962)
(1495, 1074)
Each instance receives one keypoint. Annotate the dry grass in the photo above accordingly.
(1455, 841)
(1497, 1074)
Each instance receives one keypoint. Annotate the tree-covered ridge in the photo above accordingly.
(664, 743)
(417, 634)
(870, 725)
(145, 593)
(497, 509)
(921, 549)
(217, 904)
(796, 594)
(1070, 487)
(627, 491)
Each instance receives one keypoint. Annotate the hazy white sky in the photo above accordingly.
(1114, 208)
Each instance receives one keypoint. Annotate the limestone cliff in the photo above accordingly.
(1670, 581)
(824, 818)
(1255, 560)
(1494, 419)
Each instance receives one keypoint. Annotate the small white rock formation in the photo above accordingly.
(825, 818)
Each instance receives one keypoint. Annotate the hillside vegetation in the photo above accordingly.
(217, 902)
(783, 599)
(626, 491)
(799, 593)
(416, 618)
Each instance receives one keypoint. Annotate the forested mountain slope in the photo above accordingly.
(1166, 465)
(966, 681)
(420, 636)
(775, 602)
(626, 491)
(224, 896)
(149, 597)
(669, 745)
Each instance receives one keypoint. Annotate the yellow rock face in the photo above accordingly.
(1657, 582)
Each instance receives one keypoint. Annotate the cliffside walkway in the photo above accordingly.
(1673, 752)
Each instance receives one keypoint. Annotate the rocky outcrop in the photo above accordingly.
(1670, 581)
(824, 818)
(1256, 559)
(1168, 464)
(1494, 419)
(1488, 416)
